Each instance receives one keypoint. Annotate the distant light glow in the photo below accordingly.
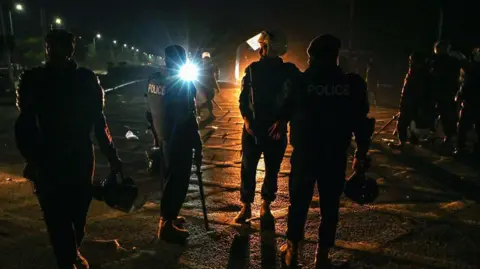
(58, 21)
(114, 41)
(19, 7)
(125, 45)
(99, 36)
(189, 72)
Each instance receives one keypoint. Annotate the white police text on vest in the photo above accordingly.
(155, 89)
(329, 89)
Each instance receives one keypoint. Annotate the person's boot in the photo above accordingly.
(321, 258)
(170, 233)
(265, 210)
(289, 254)
(81, 262)
(245, 213)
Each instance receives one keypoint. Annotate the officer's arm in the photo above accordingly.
(195, 129)
(27, 134)
(102, 132)
(363, 126)
(245, 101)
(288, 90)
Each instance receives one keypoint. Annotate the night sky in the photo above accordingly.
(391, 29)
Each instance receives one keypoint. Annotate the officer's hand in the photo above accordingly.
(116, 165)
(362, 164)
(276, 130)
(30, 171)
(248, 126)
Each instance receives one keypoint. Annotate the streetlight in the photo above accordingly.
(124, 45)
(19, 7)
(98, 36)
(133, 48)
(114, 41)
(58, 21)
(137, 50)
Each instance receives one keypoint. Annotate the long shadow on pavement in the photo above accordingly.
(268, 243)
(239, 255)
(468, 189)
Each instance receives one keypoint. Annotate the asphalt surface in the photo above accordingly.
(427, 216)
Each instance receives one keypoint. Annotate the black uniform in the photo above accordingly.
(329, 106)
(262, 103)
(470, 96)
(415, 96)
(171, 103)
(59, 106)
(445, 71)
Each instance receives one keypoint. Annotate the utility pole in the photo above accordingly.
(7, 47)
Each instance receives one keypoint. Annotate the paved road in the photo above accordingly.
(427, 215)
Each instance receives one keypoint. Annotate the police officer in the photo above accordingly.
(59, 105)
(171, 102)
(445, 71)
(328, 106)
(413, 99)
(208, 82)
(469, 95)
(262, 105)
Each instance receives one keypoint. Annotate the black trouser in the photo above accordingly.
(329, 175)
(178, 164)
(447, 108)
(469, 115)
(273, 151)
(408, 113)
(65, 213)
(209, 95)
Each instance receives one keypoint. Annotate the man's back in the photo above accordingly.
(328, 104)
(171, 103)
(66, 103)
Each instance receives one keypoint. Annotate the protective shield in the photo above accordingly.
(157, 103)
(361, 189)
(120, 194)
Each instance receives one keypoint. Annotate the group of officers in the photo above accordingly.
(437, 86)
(60, 104)
(324, 107)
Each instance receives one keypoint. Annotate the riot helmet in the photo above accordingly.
(324, 48)
(206, 55)
(175, 57)
(272, 44)
(59, 45)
